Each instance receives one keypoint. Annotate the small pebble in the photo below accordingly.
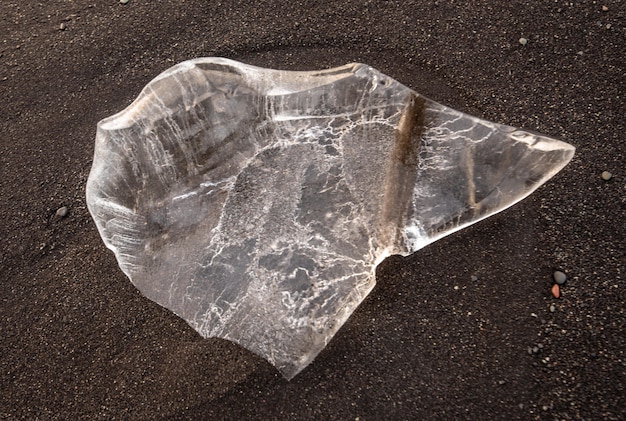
(605, 8)
(556, 291)
(559, 277)
(552, 308)
(62, 212)
(123, 1)
(523, 41)
(606, 176)
(62, 26)
(474, 278)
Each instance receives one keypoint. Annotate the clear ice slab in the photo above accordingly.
(256, 203)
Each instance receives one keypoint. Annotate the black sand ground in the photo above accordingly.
(79, 342)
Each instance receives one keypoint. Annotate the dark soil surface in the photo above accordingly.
(448, 333)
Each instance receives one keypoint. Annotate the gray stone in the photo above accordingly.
(62, 212)
(559, 277)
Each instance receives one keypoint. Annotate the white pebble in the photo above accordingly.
(606, 176)
(523, 41)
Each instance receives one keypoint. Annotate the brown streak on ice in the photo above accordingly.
(402, 170)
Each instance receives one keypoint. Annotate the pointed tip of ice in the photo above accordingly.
(543, 143)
